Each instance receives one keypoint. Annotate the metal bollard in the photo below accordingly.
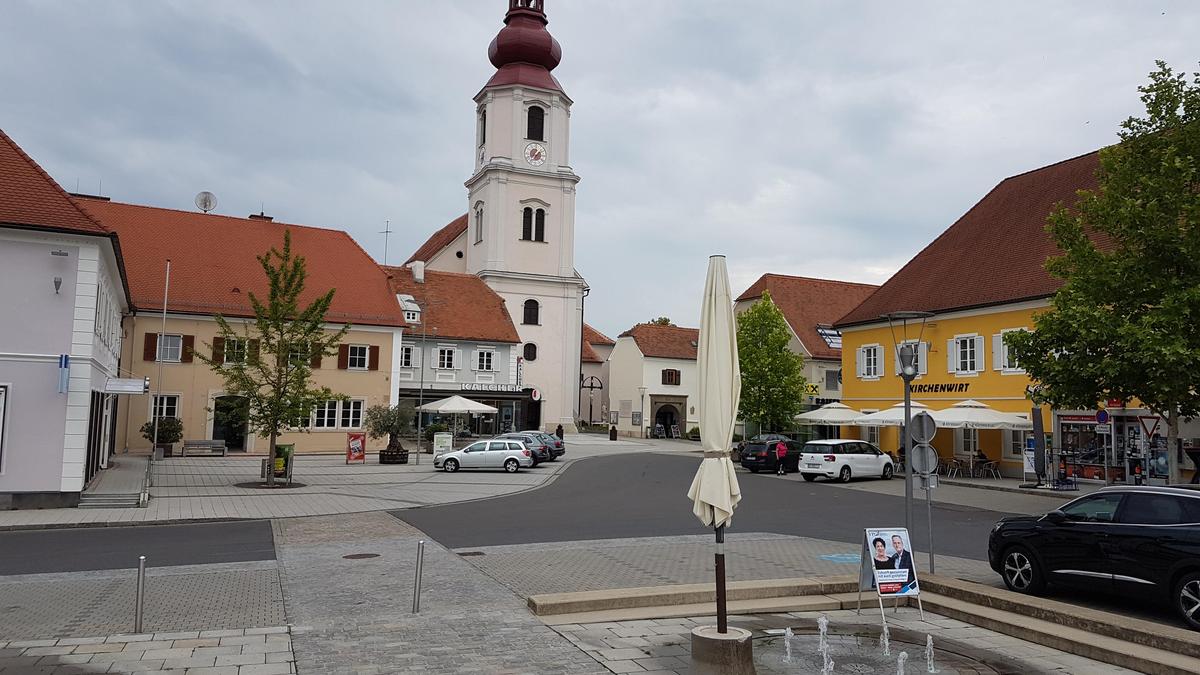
(141, 594)
(417, 579)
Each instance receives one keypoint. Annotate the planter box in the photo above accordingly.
(386, 457)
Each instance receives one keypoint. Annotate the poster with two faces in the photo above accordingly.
(887, 563)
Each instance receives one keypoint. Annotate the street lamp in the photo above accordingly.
(909, 367)
(642, 406)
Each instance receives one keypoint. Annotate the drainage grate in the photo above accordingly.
(360, 556)
(470, 553)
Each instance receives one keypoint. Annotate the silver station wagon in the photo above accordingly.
(499, 453)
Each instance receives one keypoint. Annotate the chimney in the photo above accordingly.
(418, 270)
(261, 216)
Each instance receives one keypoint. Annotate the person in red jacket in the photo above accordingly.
(780, 459)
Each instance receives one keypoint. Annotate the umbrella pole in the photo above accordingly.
(722, 613)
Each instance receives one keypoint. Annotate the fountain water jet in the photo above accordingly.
(900, 660)
(787, 644)
(885, 640)
(929, 667)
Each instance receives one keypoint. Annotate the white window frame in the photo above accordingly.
(444, 363)
(353, 409)
(364, 357)
(407, 352)
(412, 317)
(877, 351)
(970, 442)
(974, 340)
(155, 407)
(485, 354)
(242, 347)
(159, 348)
(872, 435)
(321, 415)
(1000, 353)
(299, 354)
(1014, 443)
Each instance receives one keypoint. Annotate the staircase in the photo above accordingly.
(110, 500)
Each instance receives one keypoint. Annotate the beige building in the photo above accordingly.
(213, 271)
(653, 380)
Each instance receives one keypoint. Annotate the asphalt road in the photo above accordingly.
(644, 495)
(108, 548)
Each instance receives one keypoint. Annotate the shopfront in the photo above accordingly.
(1118, 446)
(518, 407)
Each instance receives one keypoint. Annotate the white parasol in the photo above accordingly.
(834, 414)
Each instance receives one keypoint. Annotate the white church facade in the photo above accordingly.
(518, 235)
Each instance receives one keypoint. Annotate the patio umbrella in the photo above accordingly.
(971, 414)
(715, 492)
(833, 414)
(454, 405)
(888, 417)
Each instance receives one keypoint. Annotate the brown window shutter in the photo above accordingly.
(252, 350)
(315, 361)
(343, 357)
(373, 358)
(218, 351)
(189, 346)
(150, 347)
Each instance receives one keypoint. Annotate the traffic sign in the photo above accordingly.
(1101, 416)
(922, 428)
(924, 459)
(1104, 428)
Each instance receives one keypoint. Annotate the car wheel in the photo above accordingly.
(1021, 571)
(887, 472)
(810, 477)
(450, 466)
(1187, 599)
(752, 469)
(512, 465)
(844, 474)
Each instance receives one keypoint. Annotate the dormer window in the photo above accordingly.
(412, 317)
(536, 123)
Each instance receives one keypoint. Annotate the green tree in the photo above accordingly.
(1126, 322)
(391, 422)
(772, 382)
(661, 321)
(268, 361)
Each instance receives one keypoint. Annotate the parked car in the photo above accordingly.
(543, 450)
(845, 459)
(509, 454)
(1131, 540)
(758, 453)
(560, 446)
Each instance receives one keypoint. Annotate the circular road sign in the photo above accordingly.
(1101, 416)
(922, 428)
(924, 459)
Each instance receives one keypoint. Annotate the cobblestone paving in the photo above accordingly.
(229, 595)
(663, 646)
(354, 616)
(562, 567)
(256, 651)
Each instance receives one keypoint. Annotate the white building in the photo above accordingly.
(519, 232)
(653, 380)
(60, 337)
(593, 375)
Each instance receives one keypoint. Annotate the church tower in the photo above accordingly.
(521, 207)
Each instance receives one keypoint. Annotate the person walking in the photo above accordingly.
(780, 459)
(559, 432)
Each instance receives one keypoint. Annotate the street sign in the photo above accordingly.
(924, 459)
(1149, 425)
(923, 428)
(1104, 428)
(929, 482)
(1101, 416)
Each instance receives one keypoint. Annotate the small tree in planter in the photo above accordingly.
(391, 422)
(170, 432)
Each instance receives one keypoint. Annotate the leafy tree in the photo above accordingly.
(772, 382)
(661, 321)
(390, 421)
(1126, 322)
(272, 367)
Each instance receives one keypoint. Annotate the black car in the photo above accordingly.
(1142, 541)
(758, 453)
(556, 444)
(540, 448)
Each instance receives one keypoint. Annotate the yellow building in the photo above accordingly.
(213, 271)
(983, 277)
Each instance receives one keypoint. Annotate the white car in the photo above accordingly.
(843, 460)
(498, 453)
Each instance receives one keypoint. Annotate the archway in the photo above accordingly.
(666, 417)
(229, 421)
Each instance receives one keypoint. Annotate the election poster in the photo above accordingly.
(887, 563)
(356, 447)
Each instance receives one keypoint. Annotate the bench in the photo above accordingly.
(208, 447)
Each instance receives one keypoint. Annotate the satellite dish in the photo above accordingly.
(206, 201)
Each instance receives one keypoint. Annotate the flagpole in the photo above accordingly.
(158, 356)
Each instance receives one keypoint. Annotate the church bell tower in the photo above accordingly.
(521, 206)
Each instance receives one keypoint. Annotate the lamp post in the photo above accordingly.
(642, 405)
(907, 353)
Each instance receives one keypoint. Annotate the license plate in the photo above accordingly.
(813, 466)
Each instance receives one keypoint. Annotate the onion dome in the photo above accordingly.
(524, 52)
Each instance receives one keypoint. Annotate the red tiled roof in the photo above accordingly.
(30, 198)
(595, 337)
(807, 302)
(440, 240)
(589, 355)
(994, 254)
(459, 306)
(667, 342)
(213, 265)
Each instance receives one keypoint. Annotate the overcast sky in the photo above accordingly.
(828, 139)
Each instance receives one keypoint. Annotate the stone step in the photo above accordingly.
(110, 501)
(684, 594)
(1096, 622)
(1064, 636)
(799, 603)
